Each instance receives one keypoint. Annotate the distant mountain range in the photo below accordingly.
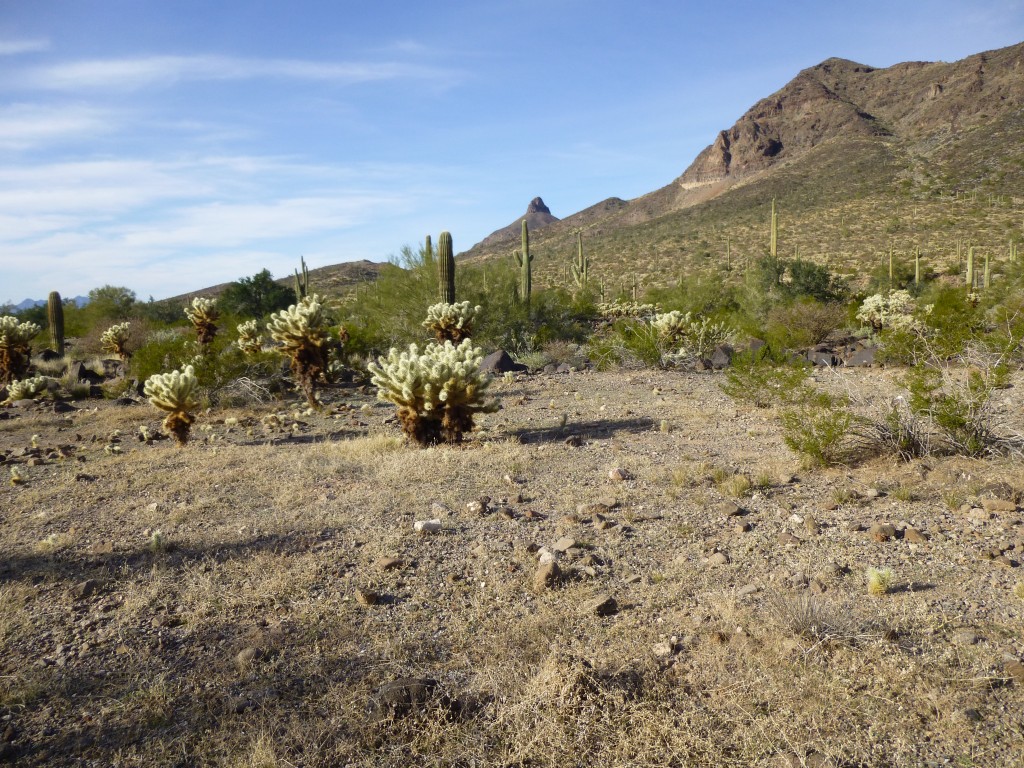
(80, 301)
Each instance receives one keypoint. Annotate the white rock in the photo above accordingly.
(427, 526)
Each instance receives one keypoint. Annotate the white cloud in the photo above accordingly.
(24, 126)
(149, 71)
(15, 47)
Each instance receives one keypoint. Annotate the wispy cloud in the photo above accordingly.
(24, 126)
(151, 71)
(15, 47)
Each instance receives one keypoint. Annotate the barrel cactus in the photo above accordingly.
(174, 392)
(115, 340)
(203, 315)
(302, 333)
(15, 347)
(451, 322)
(437, 391)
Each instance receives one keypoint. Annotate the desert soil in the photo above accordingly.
(261, 597)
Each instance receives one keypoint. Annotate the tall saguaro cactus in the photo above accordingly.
(523, 259)
(55, 315)
(302, 281)
(581, 265)
(970, 268)
(773, 242)
(917, 266)
(446, 267)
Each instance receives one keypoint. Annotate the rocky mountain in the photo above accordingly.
(537, 217)
(916, 155)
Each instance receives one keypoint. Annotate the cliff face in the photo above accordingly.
(839, 98)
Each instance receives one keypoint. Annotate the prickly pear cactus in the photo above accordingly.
(174, 392)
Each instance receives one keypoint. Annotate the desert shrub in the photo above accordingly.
(627, 343)
(437, 391)
(256, 296)
(823, 430)
(755, 377)
(803, 323)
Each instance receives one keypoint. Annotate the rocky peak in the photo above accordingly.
(537, 206)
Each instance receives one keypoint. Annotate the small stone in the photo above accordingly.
(564, 544)
(914, 536)
(427, 526)
(367, 597)
(979, 514)
(247, 656)
(1015, 670)
(787, 539)
(742, 527)
(854, 527)
(718, 558)
(872, 493)
(811, 525)
(664, 649)
(478, 506)
(619, 475)
(604, 605)
(998, 505)
(798, 579)
(593, 510)
(1005, 561)
(390, 563)
(747, 589)
(882, 532)
(439, 510)
(966, 637)
(545, 555)
(547, 575)
(728, 508)
(86, 589)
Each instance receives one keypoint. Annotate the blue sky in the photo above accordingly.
(170, 145)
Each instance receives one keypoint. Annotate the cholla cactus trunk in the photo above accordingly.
(415, 427)
(307, 365)
(178, 424)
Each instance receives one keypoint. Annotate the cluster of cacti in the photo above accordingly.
(445, 267)
(437, 392)
(581, 264)
(451, 322)
(523, 259)
(894, 310)
(174, 392)
(303, 336)
(15, 347)
(115, 340)
(249, 339)
(686, 338)
(55, 316)
(203, 315)
(26, 389)
(302, 281)
(622, 309)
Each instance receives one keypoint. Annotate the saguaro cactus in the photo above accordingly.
(523, 259)
(970, 267)
(987, 279)
(55, 315)
(446, 267)
(917, 266)
(581, 266)
(773, 243)
(302, 281)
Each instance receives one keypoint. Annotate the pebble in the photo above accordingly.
(741, 527)
(718, 558)
(729, 508)
(604, 605)
(367, 597)
(882, 532)
(914, 536)
(787, 539)
(811, 525)
(546, 576)
(998, 505)
(966, 637)
(619, 475)
(427, 526)
(747, 589)
(247, 656)
(564, 544)
(390, 563)
(1015, 670)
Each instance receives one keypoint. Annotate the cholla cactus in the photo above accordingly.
(15, 347)
(249, 339)
(115, 340)
(894, 310)
(619, 309)
(303, 336)
(26, 389)
(174, 392)
(437, 391)
(672, 326)
(689, 338)
(451, 322)
(203, 314)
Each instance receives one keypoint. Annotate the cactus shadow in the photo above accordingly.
(580, 432)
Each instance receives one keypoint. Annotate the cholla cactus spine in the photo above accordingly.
(174, 392)
(115, 340)
(203, 315)
(437, 392)
(300, 330)
(249, 339)
(451, 322)
(15, 347)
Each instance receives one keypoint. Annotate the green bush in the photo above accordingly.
(823, 430)
(755, 377)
